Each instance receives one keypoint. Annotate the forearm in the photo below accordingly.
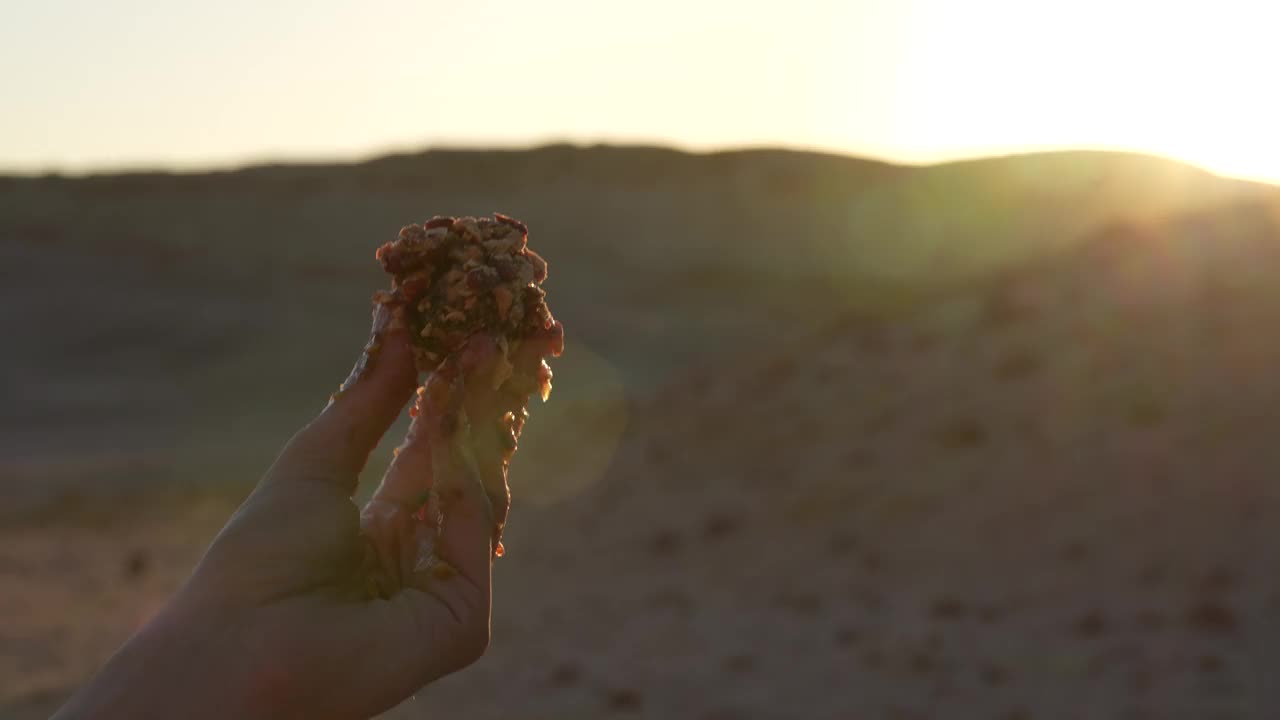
(173, 667)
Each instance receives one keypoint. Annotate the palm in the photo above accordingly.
(284, 541)
(319, 647)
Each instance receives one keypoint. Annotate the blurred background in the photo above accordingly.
(921, 356)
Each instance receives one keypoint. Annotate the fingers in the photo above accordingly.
(531, 368)
(334, 447)
(389, 529)
(510, 407)
(466, 518)
(439, 622)
(437, 446)
(409, 535)
(436, 625)
(409, 478)
(420, 635)
(443, 615)
(486, 370)
(464, 431)
(440, 457)
(497, 391)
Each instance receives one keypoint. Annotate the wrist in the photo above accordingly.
(175, 666)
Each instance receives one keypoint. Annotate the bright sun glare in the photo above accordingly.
(1186, 80)
(910, 80)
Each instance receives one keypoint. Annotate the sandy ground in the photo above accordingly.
(72, 592)
(1048, 494)
(1004, 505)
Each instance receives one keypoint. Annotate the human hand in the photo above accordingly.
(494, 406)
(276, 620)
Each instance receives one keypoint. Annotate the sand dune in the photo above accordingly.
(776, 478)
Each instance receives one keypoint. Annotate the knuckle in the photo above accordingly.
(469, 633)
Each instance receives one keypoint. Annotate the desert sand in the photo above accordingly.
(988, 440)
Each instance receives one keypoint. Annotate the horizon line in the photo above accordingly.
(265, 160)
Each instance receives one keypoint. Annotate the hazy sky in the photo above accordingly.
(92, 84)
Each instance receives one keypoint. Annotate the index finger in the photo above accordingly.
(504, 411)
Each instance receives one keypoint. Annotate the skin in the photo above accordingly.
(389, 517)
(277, 621)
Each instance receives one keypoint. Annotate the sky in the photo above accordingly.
(87, 85)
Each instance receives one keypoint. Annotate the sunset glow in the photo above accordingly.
(145, 83)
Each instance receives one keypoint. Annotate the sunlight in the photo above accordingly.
(575, 438)
(1001, 76)
(903, 80)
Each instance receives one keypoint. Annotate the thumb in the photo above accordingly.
(334, 447)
